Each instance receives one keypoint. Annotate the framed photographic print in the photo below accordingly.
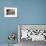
(10, 12)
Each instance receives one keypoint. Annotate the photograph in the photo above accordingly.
(10, 12)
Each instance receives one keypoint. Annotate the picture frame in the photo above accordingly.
(10, 12)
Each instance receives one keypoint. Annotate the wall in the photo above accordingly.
(29, 12)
